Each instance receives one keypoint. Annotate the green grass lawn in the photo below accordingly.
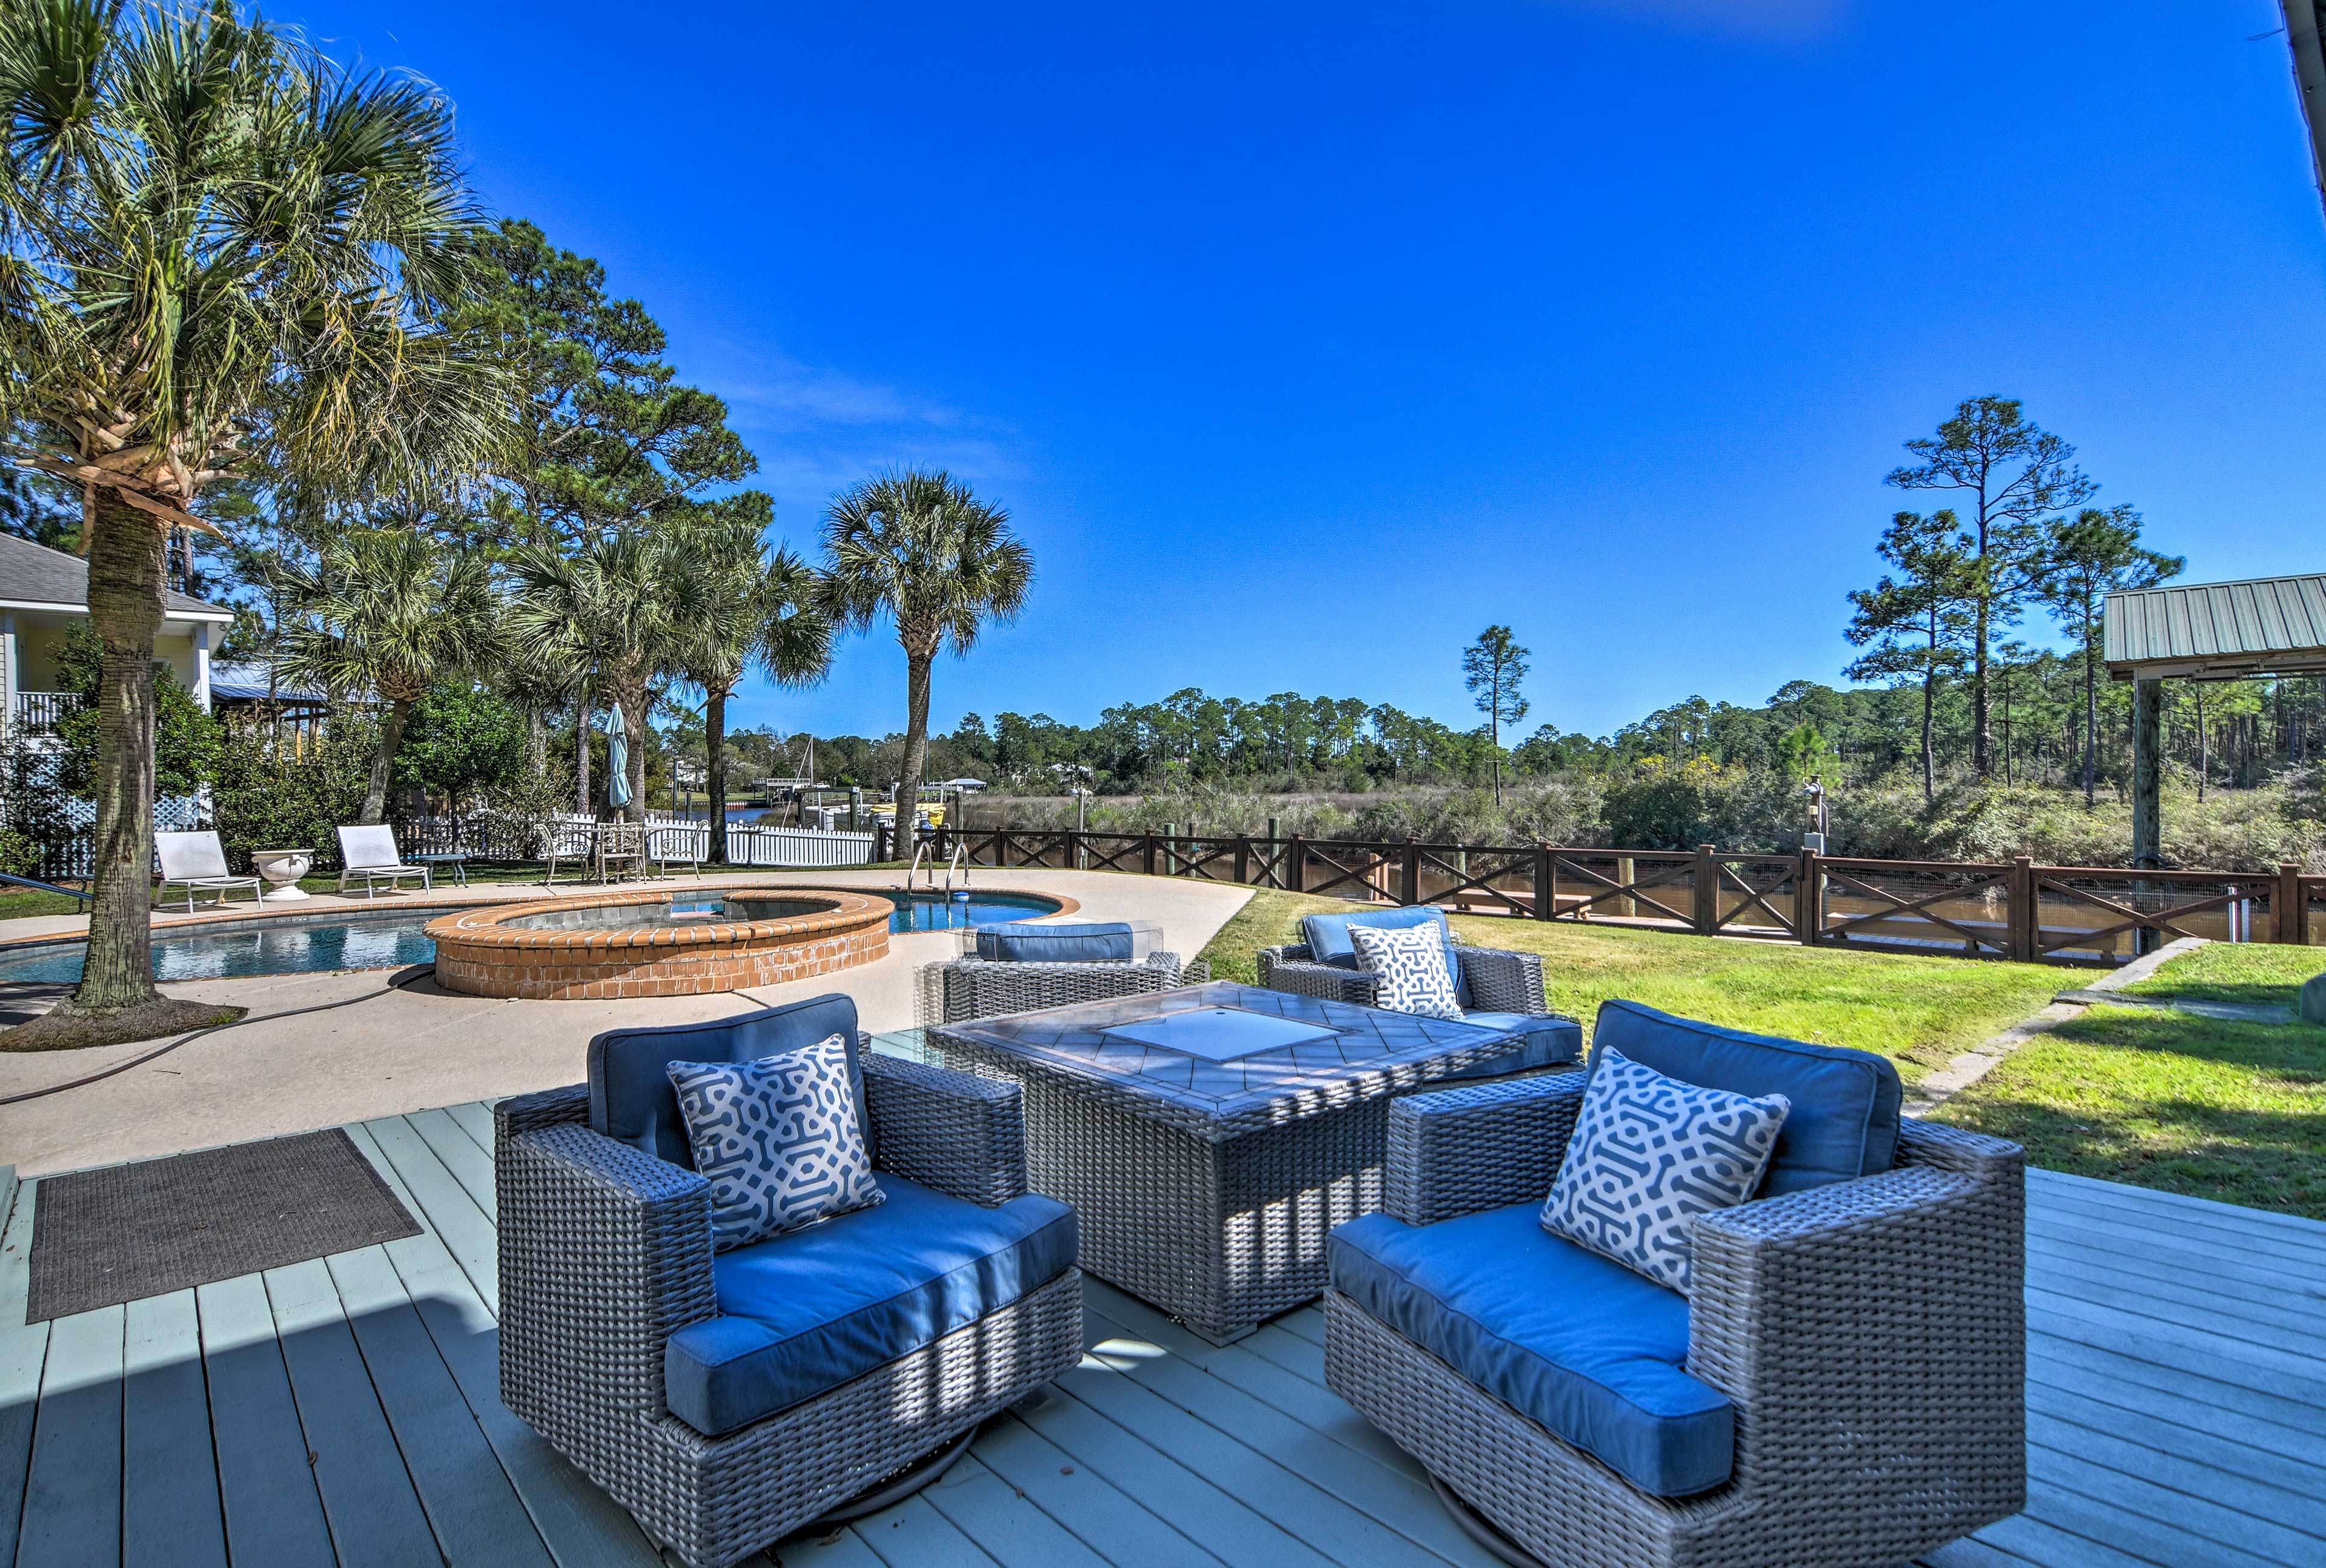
(1918, 1011)
(18, 903)
(2236, 971)
(2235, 1112)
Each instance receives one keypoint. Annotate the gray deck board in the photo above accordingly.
(346, 1411)
(988, 1510)
(267, 1485)
(368, 1498)
(1229, 1529)
(461, 1155)
(72, 1497)
(1113, 1523)
(582, 1527)
(1366, 1512)
(169, 1491)
(23, 1349)
(470, 1505)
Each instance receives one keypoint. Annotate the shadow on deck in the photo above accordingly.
(343, 1412)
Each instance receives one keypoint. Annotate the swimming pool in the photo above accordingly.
(936, 912)
(395, 940)
(382, 942)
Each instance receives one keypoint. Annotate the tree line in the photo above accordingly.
(263, 343)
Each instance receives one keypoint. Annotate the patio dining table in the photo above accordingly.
(1210, 1137)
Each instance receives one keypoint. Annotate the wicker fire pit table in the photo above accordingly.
(1208, 1137)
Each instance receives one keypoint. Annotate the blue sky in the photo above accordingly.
(1303, 341)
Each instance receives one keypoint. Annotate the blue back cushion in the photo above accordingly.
(632, 1102)
(1844, 1123)
(1328, 936)
(1026, 943)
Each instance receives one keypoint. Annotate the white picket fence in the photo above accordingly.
(750, 845)
(668, 836)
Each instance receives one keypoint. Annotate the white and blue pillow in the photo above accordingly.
(1409, 966)
(778, 1140)
(1650, 1156)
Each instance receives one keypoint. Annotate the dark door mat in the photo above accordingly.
(101, 1237)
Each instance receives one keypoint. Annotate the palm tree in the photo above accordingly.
(216, 244)
(390, 614)
(942, 563)
(604, 618)
(737, 606)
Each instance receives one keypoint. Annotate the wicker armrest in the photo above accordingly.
(1459, 1151)
(1952, 1148)
(957, 1132)
(1290, 968)
(605, 1252)
(1884, 1314)
(1502, 981)
(545, 1107)
(967, 988)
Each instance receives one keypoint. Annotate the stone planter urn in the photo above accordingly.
(282, 869)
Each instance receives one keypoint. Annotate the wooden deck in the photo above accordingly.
(342, 1412)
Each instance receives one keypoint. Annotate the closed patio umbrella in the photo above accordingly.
(617, 760)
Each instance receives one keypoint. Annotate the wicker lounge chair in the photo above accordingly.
(726, 1401)
(1842, 1386)
(197, 862)
(1024, 967)
(368, 855)
(1496, 989)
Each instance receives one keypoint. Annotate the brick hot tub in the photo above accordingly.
(604, 946)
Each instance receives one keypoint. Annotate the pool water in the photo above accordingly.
(394, 942)
(935, 912)
(384, 943)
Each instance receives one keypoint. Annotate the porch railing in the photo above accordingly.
(37, 712)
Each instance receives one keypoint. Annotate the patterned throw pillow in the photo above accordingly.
(1651, 1154)
(778, 1140)
(1411, 963)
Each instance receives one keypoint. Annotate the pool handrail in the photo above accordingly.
(39, 886)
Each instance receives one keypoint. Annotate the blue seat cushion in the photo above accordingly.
(632, 1102)
(1593, 1352)
(1030, 942)
(1549, 1041)
(1844, 1121)
(804, 1313)
(1328, 936)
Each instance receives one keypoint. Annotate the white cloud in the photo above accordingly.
(785, 393)
(817, 430)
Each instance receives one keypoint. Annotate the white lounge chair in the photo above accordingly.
(370, 854)
(197, 862)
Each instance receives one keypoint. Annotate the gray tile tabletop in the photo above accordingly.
(1349, 1045)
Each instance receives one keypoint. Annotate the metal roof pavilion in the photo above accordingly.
(2218, 631)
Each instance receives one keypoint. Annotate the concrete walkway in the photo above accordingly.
(323, 1049)
(1936, 1089)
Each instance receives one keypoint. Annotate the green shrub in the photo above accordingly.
(186, 738)
(263, 799)
(460, 742)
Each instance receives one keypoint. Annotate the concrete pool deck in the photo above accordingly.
(319, 1050)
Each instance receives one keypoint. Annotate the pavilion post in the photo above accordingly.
(2147, 773)
(2148, 790)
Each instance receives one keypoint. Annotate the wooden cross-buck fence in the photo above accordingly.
(2013, 909)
